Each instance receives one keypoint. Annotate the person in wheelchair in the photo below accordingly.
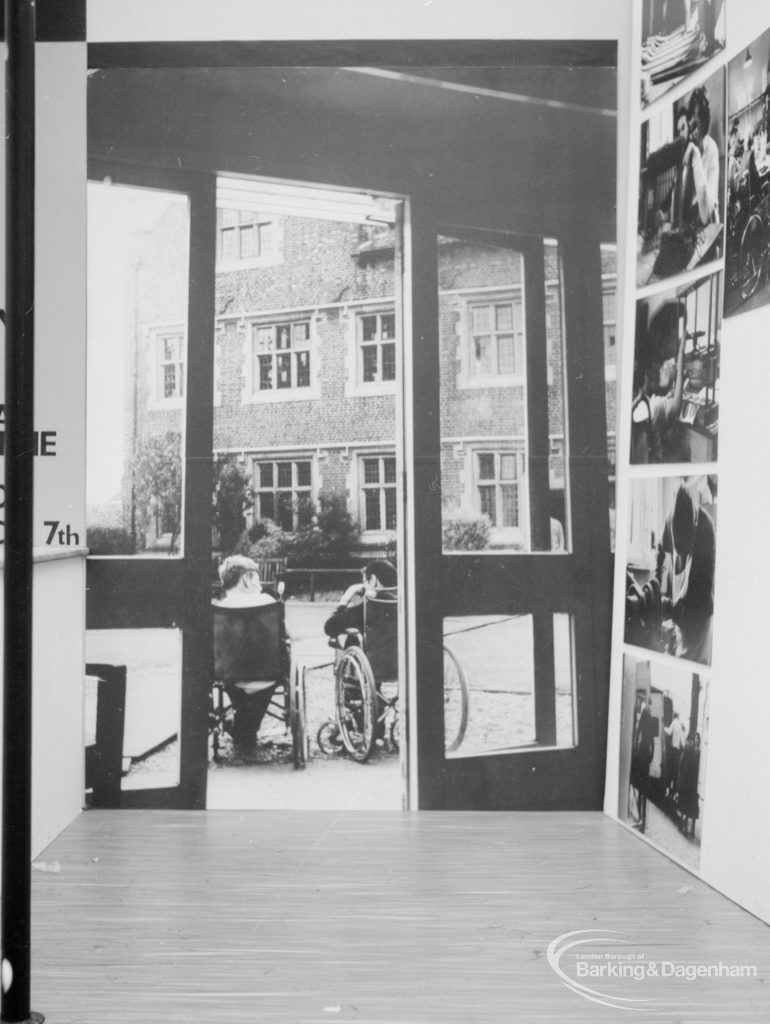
(243, 589)
(379, 579)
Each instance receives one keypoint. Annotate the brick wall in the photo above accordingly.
(327, 272)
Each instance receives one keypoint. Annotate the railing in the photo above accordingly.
(353, 575)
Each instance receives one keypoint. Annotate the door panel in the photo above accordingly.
(149, 459)
(524, 566)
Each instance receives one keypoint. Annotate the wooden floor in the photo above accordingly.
(369, 917)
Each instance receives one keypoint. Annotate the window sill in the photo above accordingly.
(368, 390)
(165, 404)
(253, 263)
(497, 381)
(278, 397)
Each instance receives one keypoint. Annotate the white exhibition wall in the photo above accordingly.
(735, 831)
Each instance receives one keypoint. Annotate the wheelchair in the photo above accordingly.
(366, 686)
(252, 652)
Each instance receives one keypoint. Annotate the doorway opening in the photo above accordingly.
(306, 467)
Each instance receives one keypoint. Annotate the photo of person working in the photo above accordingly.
(675, 407)
(670, 572)
(680, 207)
(658, 384)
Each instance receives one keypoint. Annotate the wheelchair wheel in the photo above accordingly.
(751, 256)
(328, 738)
(455, 702)
(296, 698)
(356, 701)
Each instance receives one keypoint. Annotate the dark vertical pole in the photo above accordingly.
(538, 450)
(425, 496)
(19, 453)
(198, 641)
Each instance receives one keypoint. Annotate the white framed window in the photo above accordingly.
(283, 491)
(281, 360)
(376, 347)
(372, 349)
(245, 239)
(497, 491)
(493, 341)
(167, 352)
(378, 493)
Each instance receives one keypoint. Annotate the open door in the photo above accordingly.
(514, 481)
(149, 470)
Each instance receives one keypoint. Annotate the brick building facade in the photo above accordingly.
(306, 361)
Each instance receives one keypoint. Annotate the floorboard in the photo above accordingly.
(431, 918)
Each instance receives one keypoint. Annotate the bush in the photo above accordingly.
(264, 539)
(328, 539)
(465, 531)
(110, 540)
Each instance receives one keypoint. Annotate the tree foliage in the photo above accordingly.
(232, 496)
(157, 486)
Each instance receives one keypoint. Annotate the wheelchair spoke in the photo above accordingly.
(356, 703)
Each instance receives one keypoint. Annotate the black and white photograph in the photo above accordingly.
(675, 407)
(747, 254)
(301, 359)
(681, 187)
(663, 754)
(339, 684)
(670, 568)
(678, 36)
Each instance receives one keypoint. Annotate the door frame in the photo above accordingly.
(136, 593)
(578, 582)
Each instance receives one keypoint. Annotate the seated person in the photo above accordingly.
(687, 551)
(701, 162)
(658, 385)
(240, 579)
(379, 580)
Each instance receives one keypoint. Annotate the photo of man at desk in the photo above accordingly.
(675, 408)
(748, 191)
(681, 187)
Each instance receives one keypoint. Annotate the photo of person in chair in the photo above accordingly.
(379, 579)
(243, 589)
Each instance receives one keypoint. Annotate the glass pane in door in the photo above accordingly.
(152, 659)
(507, 684)
(138, 246)
(505, 488)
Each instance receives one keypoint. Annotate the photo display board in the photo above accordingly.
(695, 314)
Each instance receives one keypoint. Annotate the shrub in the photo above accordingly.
(465, 530)
(329, 537)
(110, 540)
(232, 495)
(263, 539)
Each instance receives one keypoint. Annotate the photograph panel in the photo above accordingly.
(747, 247)
(663, 753)
(681, 201)
(678, 36)
(670, 568)
(675, 407)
